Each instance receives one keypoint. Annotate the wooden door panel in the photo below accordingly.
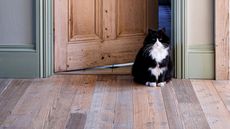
(91, 33)
(108, 52)
(109, 19)
(84, 20)
(132, 17)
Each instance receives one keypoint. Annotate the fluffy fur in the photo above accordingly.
(153, 66)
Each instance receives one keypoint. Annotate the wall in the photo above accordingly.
(19, 38)
(17, 22)
(200, 39)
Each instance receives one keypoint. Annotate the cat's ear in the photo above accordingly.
(150, 31)
(162, 30)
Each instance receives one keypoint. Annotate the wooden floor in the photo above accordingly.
(113, 102)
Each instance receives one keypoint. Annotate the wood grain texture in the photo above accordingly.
(131, 17)
(85, 20)
(60, 34)
(94, 115)
(10, 97)
(76, 121)
(123, 118)
(222, 46)
(189, 107)
(88, 55)
(29, 106)
(4, 83)
(215, 111)
(52, 87)
(172, 108)
(149, 111)
(109, 19)
(113, 102)
(223, 89)
(82, 102)
(59, 112)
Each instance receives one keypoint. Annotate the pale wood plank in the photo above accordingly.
(123, 118)
(29, 105)
(191, 112)
(59, 112)
(53, 86)
(171, 106)
(4, 83)
(94, 114)
(107, 112)
(76, 121)
(222, 39)
(84, 94)
(215, 111)
(149, 111)
(102, 111)
(81, 103)
(223, 89)
(10, 97)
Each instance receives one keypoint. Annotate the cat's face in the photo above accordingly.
(156, 37)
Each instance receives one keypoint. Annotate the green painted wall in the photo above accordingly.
(19, 58)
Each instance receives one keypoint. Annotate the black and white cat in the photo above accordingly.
(153, 66)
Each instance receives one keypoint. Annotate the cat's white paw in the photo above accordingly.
(151, 84)
(161, 84)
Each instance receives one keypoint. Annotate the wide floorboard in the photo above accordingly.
(112, 102)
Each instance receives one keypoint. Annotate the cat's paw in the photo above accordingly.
(161, 84)
(151, 84)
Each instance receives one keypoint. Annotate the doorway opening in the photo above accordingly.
(127, 29)
(165, 16)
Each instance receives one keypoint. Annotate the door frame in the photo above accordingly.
(46, 38)
(178, 34)
(222, 33)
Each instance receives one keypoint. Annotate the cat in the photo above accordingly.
(153, 65)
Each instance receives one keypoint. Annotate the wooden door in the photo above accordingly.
(91, 33)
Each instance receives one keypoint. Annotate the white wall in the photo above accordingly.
(200, 22)
(17, 22)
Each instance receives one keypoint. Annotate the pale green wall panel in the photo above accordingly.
(17, 22)
(19, 65)
(19, 58)
(199, 39)
(200, 65)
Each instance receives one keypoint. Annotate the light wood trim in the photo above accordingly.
(60, 44)
(222, 39)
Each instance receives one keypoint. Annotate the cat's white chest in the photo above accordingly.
(157, 71)
(158, 52)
